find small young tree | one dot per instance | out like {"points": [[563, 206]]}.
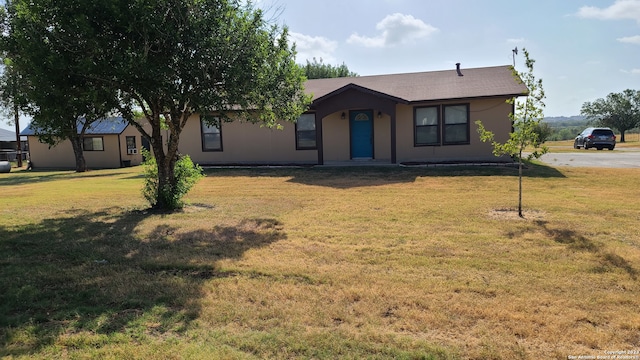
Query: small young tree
{"points": [[526, 125], [187, 175]]}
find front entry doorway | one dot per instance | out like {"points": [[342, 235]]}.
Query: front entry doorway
{"points": [[361, 126]]}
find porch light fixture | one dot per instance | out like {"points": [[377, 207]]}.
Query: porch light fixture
{"points": [[342, 116], [379, 114]]}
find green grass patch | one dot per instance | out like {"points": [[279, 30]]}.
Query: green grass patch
{"points": [[324, 263]]}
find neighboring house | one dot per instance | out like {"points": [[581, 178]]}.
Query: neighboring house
{"points": [[108, 143], [8, 145], [426, 117]]}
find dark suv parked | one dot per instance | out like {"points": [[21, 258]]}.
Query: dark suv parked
{"points": [[598, 138]]}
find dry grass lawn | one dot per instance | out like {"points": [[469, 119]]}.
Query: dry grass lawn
{"points": [[322, 263]]}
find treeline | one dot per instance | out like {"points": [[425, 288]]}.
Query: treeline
{"points": [[567, 127], [318, 69]]}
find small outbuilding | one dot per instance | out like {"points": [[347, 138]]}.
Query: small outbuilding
{"points": [[8, 146], [107, 143]]}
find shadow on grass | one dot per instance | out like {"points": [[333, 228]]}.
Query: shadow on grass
{"points": [[37, 176], [363, 176], [91, 273], [579, 242]]}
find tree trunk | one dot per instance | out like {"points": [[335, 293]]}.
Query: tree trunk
{"points": [[18, 142], [166, 164], [622, 136], [166, 182], [76, 144], [520, 186]]}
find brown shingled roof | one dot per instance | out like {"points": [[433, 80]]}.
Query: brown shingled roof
{"points": [[432, 85]]}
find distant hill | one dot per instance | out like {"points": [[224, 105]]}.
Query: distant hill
{"points": [[565, 127], [568, 119]]}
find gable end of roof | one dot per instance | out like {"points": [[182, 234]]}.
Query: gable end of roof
{"points": [[352, 86]]}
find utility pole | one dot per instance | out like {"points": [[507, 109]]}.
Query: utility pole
{"points": [[18, 142], [16, 120], [515, 52]]}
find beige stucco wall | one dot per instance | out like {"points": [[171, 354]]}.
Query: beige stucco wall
{"points": [[61, 156], [494, 114], [244, 143], [136, 159], [335, 133], [382, 138]]}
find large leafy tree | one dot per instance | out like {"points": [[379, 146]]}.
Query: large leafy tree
{"points": [[527, 132], [47, 83], [171, 59], [620, 111], [12, 100]]}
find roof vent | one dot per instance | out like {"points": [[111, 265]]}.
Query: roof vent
{"points": [[458, 69]]}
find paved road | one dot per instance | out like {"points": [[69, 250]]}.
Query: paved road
{"points": [[618, 158]]}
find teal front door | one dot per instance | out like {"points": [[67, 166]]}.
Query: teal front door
{"points": [[361, 125]]}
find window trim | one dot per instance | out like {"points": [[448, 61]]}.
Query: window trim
{"points": [[315, 133], [203, 133], [437, 125], [85, 138], [126, 139], [467, 141]]}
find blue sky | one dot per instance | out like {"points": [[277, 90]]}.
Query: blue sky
{"points": [[583, 49]]}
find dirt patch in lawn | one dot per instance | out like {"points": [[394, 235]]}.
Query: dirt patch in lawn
{"points": [[512, 214]]}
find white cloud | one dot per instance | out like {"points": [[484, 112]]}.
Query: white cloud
{"points": [[309, 47], [515, 41], [630, 39], [621, 9], [394, 30], [632, 71]]}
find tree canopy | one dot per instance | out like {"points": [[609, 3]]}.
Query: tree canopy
{"points": [[46, 82], [12, 100], [319, 70], [620, 111], [168, 59]]}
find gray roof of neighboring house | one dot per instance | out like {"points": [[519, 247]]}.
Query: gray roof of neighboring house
{"points": [[8, 135], [428, 86], [106, 126]]}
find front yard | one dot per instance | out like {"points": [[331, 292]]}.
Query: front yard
{"points": [[322, 263]]}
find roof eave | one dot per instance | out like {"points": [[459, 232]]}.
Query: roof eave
{"points": [[467, 98]]}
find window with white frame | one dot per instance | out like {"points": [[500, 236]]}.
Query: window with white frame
{"points": [[306, 132], [427, 126], [131, 143], [92, 143], [211, 135]]}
